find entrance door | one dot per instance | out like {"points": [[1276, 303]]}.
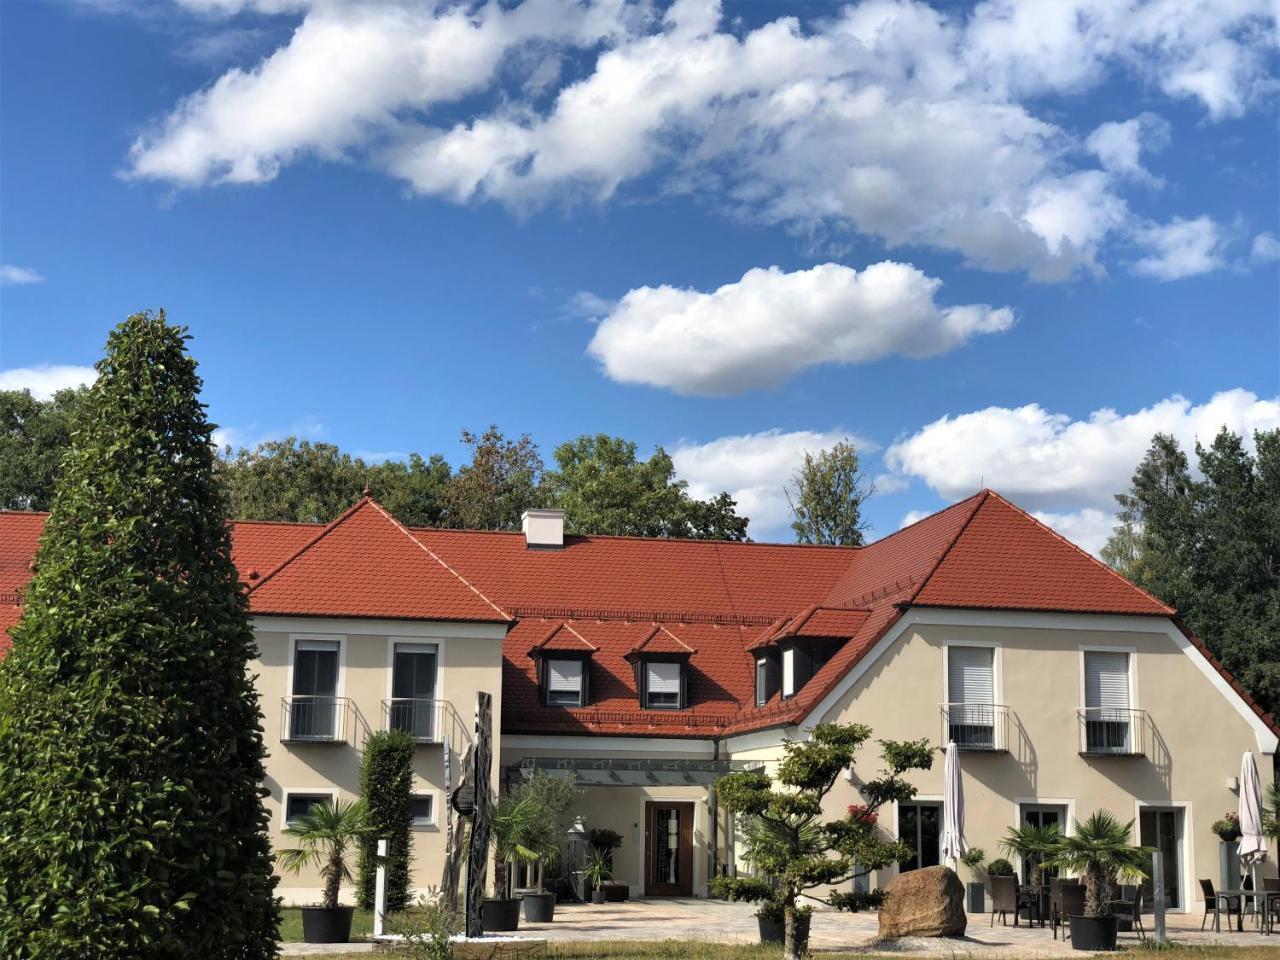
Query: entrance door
{"points": [[668, 849], [1161, 829], [920, 828], [1042, 815]]}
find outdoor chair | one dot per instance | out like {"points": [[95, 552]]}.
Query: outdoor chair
{"points": [[1270, 902], [1004, 898], [1213, 905], [1070, 903], [1131, 910]]}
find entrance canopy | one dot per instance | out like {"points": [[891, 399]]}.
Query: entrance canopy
{"points": [[639, 772]]}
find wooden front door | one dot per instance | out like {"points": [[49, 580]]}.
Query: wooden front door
{"points": [[668, 849]]}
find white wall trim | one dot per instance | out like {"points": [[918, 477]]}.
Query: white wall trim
{"points": [[763, 738], [405, 629], [1104, 622], [1186, 844], [529, 741], [286, 792]]}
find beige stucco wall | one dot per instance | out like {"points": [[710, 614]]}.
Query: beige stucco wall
{"points": [[470, 660], [1194, 740]]}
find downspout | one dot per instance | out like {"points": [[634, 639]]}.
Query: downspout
{"points": [[715, 817]]}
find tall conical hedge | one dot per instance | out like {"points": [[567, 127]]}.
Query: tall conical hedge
{"points": [[131, 752]]}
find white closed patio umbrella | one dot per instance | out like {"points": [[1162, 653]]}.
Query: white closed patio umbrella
{"points": [[1253, 843], [953, 846]]}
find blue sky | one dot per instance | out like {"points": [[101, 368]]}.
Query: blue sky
{"points": [[999, 244]]}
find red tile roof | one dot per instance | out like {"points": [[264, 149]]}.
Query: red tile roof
{"points": [[613, 596]]}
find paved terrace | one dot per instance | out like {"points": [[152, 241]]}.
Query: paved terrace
{"points": [[692, 919]]}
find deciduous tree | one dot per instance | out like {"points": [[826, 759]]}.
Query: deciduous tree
{"points": [[498, 485], [34, 436], [131, 752], [826, 496]]}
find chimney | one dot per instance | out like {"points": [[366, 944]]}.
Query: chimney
{"points": [[543, 529]]}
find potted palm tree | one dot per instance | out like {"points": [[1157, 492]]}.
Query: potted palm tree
{"points": [[513, 822], [1034, 844], [1099, 851], [596, 872], [327, 835]]}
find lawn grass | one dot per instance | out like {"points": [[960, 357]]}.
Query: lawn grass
{"points": [[687, 950]]}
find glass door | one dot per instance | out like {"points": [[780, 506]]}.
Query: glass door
{"points": [[920, 828], [669, 849], [1042, 815], [1161, 829], [314, 704], [413, 690]]}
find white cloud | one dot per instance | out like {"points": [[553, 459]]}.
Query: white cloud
{"points": [[889, 119], [1049, 461], [912, 516], [1181, 248], [1266, 249], [765, 328], [755, 468], [11, 275], [1088, 528], [44, 380], [1119, 146]]}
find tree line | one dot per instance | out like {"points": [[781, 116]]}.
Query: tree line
{"points": [[1208, 544], [602, 482]]}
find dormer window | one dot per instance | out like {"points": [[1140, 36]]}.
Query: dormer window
{"points": [[766, 678], [800, 661], [663, 685], [564, 681]]}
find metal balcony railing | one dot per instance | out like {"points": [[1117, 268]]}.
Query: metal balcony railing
{"points": [[1105, 731], [307, 719], [976, 726], [428, 721]]}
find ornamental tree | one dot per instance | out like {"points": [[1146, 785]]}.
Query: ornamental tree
{"points": [[386, 786], [795, 845], [131, 753]]}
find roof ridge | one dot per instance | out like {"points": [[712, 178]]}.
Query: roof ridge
{"points": [[320, 535], [832, 547], [1171, 611], [437, 558], [978, 499]]}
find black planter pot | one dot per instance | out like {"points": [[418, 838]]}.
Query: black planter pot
{"points": [[1093, 933], [499, 915], [615, 892], [977, 897], [322, 925], [597, 895], [539, 907], [771, 931]]}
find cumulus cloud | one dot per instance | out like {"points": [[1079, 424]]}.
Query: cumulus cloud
{"points": [[1050, 461], [44, 380], [765, 328], [1266, 249], [1119, 146], [888, 119], [1088, 528], [12, 275], [1181, 248], [755, 468]]}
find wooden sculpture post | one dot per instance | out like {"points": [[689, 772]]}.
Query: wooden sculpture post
{"points": [[482, 814]]}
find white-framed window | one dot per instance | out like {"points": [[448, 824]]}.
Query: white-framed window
{"points": [[414, 671], [1108, 702], [971, 696], [299, 803], [565, 682], [422, 809], [766, 678], [664, 684], [789, 672], [316, 671]]}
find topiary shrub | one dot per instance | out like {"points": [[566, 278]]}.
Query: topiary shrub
{"points": [[386, 785], [131, 754], [1000, 867]]}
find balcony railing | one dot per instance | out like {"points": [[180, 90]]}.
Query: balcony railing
{"points": [[1109, 732], [428, 721], [976, 726], [306, 719]]}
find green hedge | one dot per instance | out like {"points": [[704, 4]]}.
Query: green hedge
{"points": [[386, 786]]}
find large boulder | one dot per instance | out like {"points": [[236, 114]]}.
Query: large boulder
{"points": [[924, 903]]}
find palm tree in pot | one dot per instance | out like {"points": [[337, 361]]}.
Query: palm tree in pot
{"points": [[514, 822], [1033, 844], [327, 835], [596, 872], [1099, 851]]}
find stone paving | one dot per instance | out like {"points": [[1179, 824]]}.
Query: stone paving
{"points": [[693, 919]]}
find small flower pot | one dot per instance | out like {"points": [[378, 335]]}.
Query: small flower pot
{"points": [[771, 931], [1093, 933], [597, 895], [539, 907], [499, 915], [325, 925]]}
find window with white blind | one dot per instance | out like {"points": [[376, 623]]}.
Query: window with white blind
{"points": [[664, 684], [565, 687], [971, 696], [1107, 701], [789, 672]]}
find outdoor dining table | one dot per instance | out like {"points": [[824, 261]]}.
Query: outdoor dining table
{"points": [[1260, 899]]}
